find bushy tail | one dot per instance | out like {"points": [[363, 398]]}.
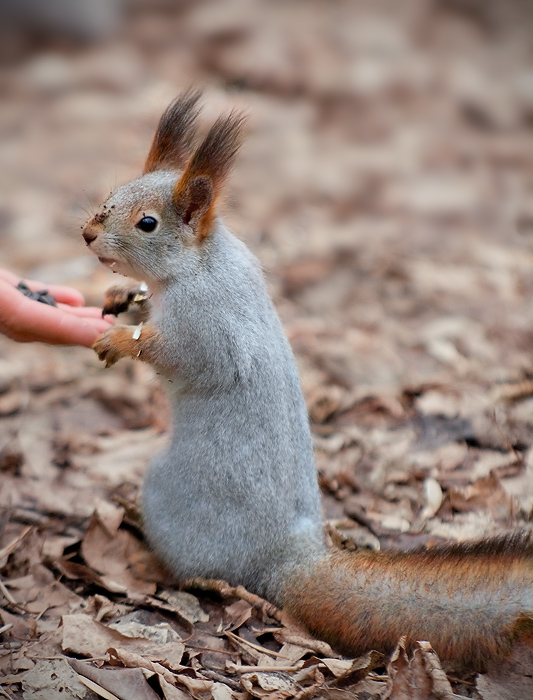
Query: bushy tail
{"points": [[470, 601]]}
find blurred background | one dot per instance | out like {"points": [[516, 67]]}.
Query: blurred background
{"points": [[386, 185]]}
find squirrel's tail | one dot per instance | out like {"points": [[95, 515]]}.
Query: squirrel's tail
{"points": [[470, 601]]}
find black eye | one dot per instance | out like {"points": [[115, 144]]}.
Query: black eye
{"points": [[147, 224]]}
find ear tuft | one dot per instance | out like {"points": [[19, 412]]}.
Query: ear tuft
{"points": [[173, 138], [205, 173], [216, 154]]}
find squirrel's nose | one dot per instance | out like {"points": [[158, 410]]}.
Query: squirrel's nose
{"points": [[89, 235]]}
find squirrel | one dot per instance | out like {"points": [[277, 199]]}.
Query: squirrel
{"points": [[234, 495]]}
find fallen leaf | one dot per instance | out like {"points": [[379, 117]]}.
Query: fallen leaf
{"points": [[432, 498], [124, 683], [261, 684], [133, 660], [84, 636], [486, 493], [401, 677], [186, 604], [54, 679], [110, 552]]}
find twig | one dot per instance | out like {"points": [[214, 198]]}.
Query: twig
{"points": [[27, 516], [227, 591], [58, 657], [215, 651], [513, 392], [453, 679], [219, 678], [10, 548], [7, 595], [234, 668], [255, 646], [97, 688]]}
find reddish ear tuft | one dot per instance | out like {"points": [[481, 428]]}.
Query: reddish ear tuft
{"points": [[201, 183], [172, 142]]}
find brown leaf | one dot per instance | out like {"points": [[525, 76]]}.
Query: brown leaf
{"points": [[401, 681], [170, 692], [74, 570], [131, 659], [299, 637], [84, 636], [262, 684], [418, 677], [486, 493], [237, 614], [110, 551], [509, 679], [186, 604], [12, 546], [54, 679], [125, 683], [440, 685]]}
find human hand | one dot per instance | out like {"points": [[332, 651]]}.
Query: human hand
{"points": [[26, 320]]}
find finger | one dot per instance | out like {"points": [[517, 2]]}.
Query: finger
{"points": [[9, 277], [65, 295], [26, 320], [85, 311], [101, 325]]}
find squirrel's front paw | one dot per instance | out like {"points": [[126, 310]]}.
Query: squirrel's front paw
{"points": [[107, 347], [119, 299]]}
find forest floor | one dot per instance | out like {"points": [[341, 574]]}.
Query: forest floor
{"points": [[386, 185]]}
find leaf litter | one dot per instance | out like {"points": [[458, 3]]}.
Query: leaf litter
{"points": [[385, 186]]}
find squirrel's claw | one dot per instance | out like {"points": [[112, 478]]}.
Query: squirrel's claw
{"points": [[105, 348]]}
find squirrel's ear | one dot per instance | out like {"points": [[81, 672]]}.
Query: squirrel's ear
{"points": [[201, 183], [172, 142]]}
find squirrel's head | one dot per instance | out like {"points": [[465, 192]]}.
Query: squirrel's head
{"points": [[147, 223]]}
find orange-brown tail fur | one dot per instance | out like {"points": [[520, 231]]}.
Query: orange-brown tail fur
{"points": [[470, 601]]}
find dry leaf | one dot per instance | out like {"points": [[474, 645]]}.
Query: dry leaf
{"points": [[54, 679], [186, 604], [133, 660], [261, 684], [485, 494], [124, 683], [96, 688], [432, 498], [401, 682], [219, 691], [84, 636], [170, 692], [110, 553]]}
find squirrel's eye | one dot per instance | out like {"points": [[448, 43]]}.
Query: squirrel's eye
{"points": [[147, 224]]}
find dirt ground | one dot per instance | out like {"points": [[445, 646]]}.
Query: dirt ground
{"points": [[386, 185]]}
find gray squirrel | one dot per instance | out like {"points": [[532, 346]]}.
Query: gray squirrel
{"points": [[234, 495]]}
